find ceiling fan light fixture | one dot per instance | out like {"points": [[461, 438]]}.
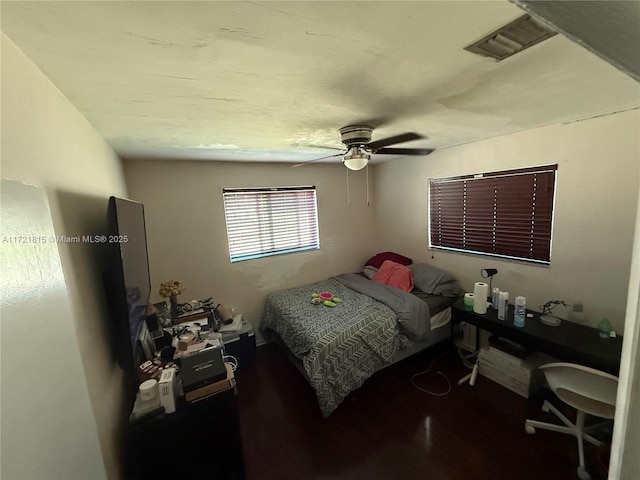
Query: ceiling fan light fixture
{"points": [[357, 159], [359, 147]]}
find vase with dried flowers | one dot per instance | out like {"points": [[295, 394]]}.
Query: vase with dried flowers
{"points": [[171, 289]]}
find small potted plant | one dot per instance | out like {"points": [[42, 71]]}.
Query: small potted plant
{"points": [[171, 289]]}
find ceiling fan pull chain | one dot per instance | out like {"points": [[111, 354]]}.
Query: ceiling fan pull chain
{"points": [[348, 198], [367, 172]]}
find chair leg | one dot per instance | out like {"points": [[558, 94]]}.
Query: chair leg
{"points": [[576, 430], [583, 474], [586, 433], [531, 425], [592, 440], [582, 471], [559, 414], [597, 426], [579, 427]]}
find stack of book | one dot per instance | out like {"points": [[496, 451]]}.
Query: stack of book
{"points": [[212, 388], [519, 375]]}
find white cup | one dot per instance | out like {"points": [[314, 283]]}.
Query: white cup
{"points": [[148, 390]]}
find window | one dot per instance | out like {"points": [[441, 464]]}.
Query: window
{"points": [[505, 214], [270, 221]]}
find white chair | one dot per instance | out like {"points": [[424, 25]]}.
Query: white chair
{"points": [[587, 390]]}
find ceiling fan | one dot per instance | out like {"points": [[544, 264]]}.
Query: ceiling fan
{"points": [[359, 147]]}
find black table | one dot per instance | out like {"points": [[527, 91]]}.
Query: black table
{"points": [[201, 440], [568, 341]]}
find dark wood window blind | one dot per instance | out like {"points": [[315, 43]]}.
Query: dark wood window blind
{"points": [[505, 214], [270, 221]]}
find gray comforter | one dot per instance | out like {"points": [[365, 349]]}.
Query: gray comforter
{"points": [[341, 347], [413, 314]]}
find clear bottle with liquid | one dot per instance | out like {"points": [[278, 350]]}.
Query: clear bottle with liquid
{"points": [[503, 305], [520, 311], [495, 296]]}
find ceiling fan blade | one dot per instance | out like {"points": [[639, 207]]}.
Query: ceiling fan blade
{"points": [[405, 137], [405, 151], [310, 145], [341, 154]]}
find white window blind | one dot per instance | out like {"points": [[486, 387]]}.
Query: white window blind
{"points": [[270, 221]]}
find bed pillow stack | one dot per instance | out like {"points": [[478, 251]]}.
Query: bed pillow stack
{"points": [[432, 280], [377, 260], [369, 271], [401, 272], [372, 265], [395, 275]]}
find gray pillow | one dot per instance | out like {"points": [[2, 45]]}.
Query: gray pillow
{"points": [[427, 277], [369, 271], [451, 289]]}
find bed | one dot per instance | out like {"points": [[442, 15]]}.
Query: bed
{"points": [[375, 325]]}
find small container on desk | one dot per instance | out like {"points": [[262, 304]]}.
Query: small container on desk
{"points": [[201, 314]]}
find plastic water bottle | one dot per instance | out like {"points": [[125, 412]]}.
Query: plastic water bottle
{"points": [[495, 295], [503, 305], [520, 311]]}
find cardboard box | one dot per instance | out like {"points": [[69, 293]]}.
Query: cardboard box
{"points": [[212, 388], [168, 389], [520, 375], [524, 389]]}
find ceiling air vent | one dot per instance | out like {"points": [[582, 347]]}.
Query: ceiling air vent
{"points": [[512, 38]]}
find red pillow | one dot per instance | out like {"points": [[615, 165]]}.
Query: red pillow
{"points": [[377, 260], [395, 275]]}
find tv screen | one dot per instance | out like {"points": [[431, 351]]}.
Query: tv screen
{"points": [[128, 278]]}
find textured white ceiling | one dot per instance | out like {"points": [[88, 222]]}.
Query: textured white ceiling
{"points": [[262, 80]]}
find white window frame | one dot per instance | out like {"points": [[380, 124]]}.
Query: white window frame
{"points": [[262, 222]]}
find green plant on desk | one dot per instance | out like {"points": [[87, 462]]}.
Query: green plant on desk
{"points": [[605, 328]]}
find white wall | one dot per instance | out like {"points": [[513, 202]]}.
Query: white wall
{"points": [[47, 142], [48, 429], [626, 434], [596, 198], [187, 238]]}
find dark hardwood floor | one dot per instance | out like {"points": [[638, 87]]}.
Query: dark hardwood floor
{"points": [[388, 429]]}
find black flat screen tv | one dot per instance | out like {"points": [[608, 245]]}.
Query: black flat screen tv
{"points": [[127, 279]]}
